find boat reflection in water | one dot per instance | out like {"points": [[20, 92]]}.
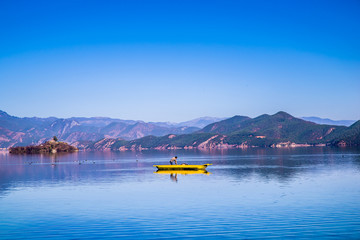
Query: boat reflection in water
{"points": [[174, 173]]}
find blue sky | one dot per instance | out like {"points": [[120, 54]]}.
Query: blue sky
{"points": [[178, 60]]}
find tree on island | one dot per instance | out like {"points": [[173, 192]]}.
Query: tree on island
{"points": [[55, 138]]}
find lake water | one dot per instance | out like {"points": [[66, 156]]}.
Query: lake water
{"points": [[298, 193]]}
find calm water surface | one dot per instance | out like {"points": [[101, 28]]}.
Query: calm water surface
{"points": [[250, 194]]}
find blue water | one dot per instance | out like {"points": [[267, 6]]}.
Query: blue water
{"points": [[304, 193]]}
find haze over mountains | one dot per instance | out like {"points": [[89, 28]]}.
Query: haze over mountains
{"points": [[280, 129], [329, 121]]}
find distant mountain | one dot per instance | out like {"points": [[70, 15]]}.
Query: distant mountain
{"points": [[101, 121], [114, 129], [22, 124], [15, 131], [141, 129], [277, 130], [197, 122], [329, 121], [200, 122]]}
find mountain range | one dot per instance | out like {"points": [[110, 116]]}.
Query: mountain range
{"points": [[15, 131], [329, 121], [277, 130]]}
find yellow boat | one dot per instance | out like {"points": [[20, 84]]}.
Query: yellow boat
{"points": [[182, 167], [182, 172]]}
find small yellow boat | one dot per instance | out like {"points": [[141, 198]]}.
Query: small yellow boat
{"points": [[182, 167]]}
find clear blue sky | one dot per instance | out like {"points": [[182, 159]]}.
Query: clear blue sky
{"points": [[178, 60]]}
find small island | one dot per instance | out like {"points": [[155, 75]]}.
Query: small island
{"points": [[52, 146]]}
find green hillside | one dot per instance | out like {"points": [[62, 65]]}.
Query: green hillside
{"points": [[238, 131], [349, 137], [226, 126], [278, 127]]}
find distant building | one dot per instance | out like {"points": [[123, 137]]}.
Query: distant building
{"points": [[260, 136]]}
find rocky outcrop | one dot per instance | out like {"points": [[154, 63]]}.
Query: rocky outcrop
{"points": [[48, 147], [208, 143], [104, 144]]}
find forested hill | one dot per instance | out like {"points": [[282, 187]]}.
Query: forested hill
{"points": [[349, 137], [280, 126], [277, 130]]}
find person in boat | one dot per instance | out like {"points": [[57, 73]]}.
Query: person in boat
{"points": [[174, 159]]}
